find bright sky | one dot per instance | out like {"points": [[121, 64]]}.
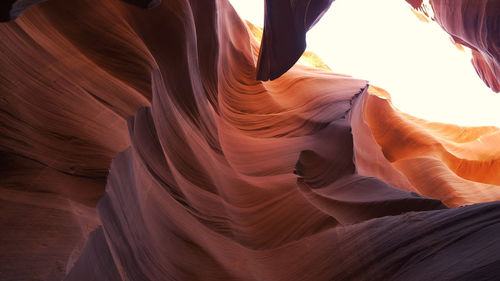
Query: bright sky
{"points": [[384, 42]]}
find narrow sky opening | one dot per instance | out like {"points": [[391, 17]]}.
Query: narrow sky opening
{"points": [[385, 43]]}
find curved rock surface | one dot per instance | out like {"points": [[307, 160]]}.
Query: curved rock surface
{"points": [[475, 24], [280, 50], [310, 176], [457, 165]]}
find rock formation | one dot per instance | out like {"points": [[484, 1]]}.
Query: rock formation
{"points": [[475, 24], [137, 144]]}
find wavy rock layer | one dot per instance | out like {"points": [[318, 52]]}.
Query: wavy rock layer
{"points": [[311, 176], [475, 24], [71, 73], [458, 165]]}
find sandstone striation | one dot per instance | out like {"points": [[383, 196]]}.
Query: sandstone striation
{"points": [[137, 144]]}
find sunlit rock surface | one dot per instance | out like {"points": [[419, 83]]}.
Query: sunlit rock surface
{"points": [[216, 175], [458, 165]]}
